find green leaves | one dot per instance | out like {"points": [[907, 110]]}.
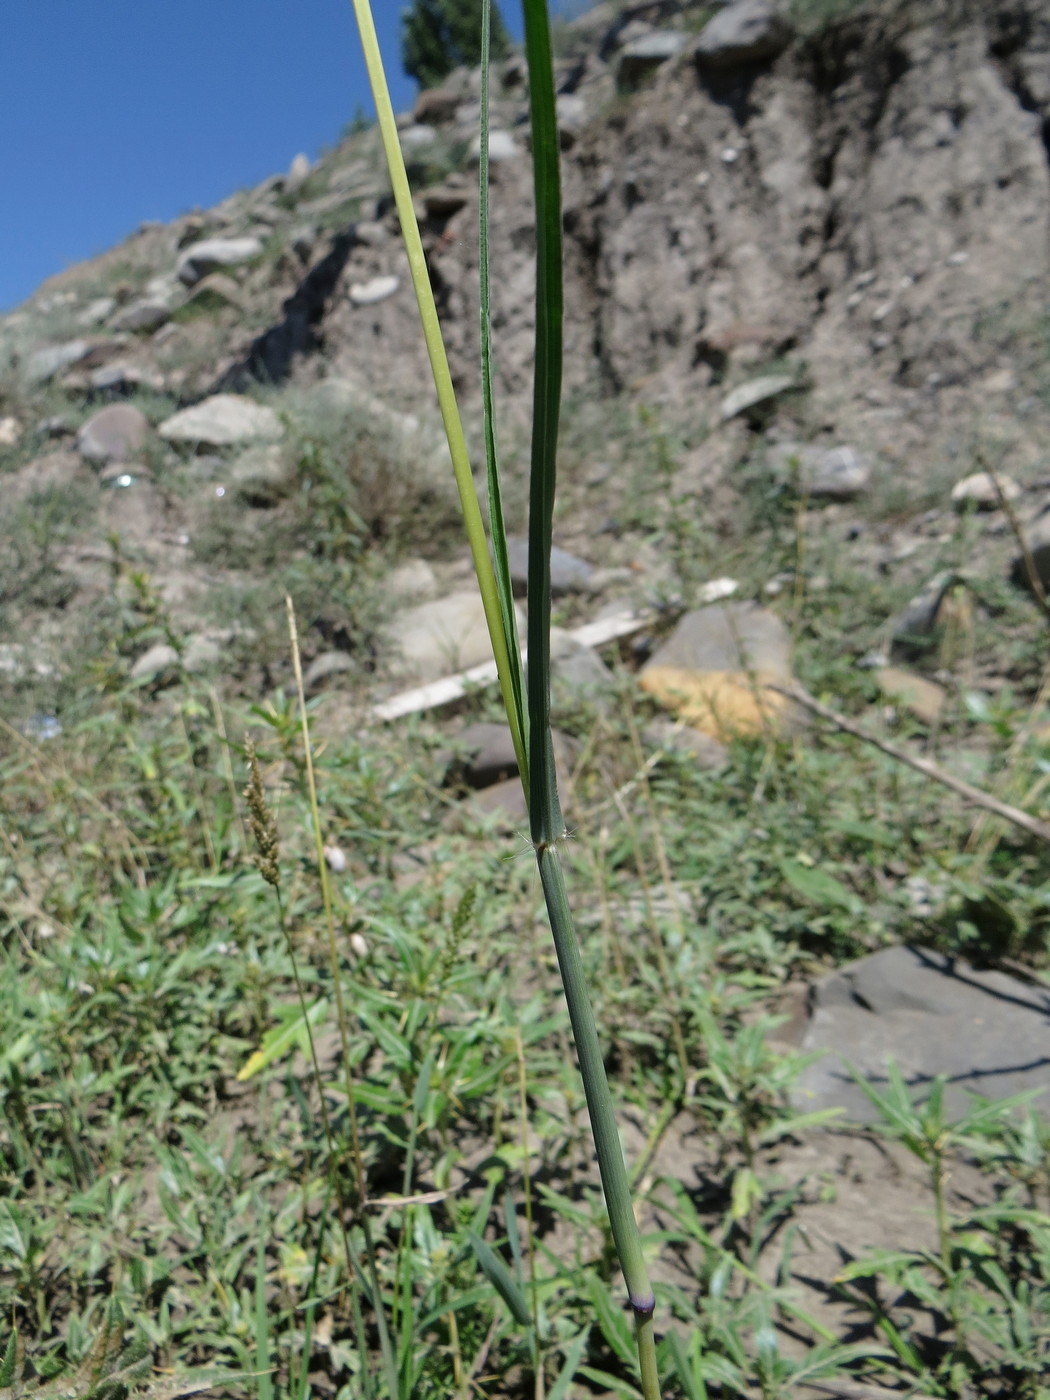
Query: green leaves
{"points": [[292, 1032]]}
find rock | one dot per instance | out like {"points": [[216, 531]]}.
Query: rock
{"points": [[298, 172], [215, 292], [436, 105], [488, 755], [578, 674], [571, 111], [414, 581], [922, 698], [1037, 538], [502, 803], [713, 668], [443, 201], [160, 660], [416, 138], [920, 618], [706, 752], [303, 241], [117, 476], [375, 290], [755, 393], [640, 58], [985, 1031], [502, 147], [96, 311], [829, 474], [123, 379], [568, 574], [435, 639], [325, 666], [263, 475], [114, 434], [213, 254], [749, 31], [45, 363], [145, 315], [224, 420], [978, 490], [10, 431]]}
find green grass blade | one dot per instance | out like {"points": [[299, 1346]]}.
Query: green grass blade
{"points": [[501, 1278], [446, 393], [497, 525], [544, 806], [262, 1326]]}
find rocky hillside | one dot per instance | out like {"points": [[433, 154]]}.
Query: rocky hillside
{"points": [[806, 246]]}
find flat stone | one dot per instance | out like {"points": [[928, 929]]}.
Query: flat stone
{"points": [[224, 420], [216, 292], [488, 754], [714, 668], [578, 674], [114, 434], [568, 574], [824, 473], [375, 290], [931, 1014], [436, 105], [158, 660], [325, 666], [213, 254], [748, 31], [922, 698], [438, 638], [978, 491], [640, 57], [141, 316], [755, 393], [45, 363]]}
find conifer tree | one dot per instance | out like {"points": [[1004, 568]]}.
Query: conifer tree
{"points": [[439, 35]]}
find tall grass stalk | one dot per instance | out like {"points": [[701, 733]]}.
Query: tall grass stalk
{"points": [[536, 754]]}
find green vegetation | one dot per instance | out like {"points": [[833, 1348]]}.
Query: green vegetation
{"points": [[439, 35]]}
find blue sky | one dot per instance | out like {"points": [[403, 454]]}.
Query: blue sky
{"points": [[115, 111]]}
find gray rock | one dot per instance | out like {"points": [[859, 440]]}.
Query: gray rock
{"points": [[297, 172], [917, 620], [502, 147], [488, 755], [922, 698], [830, 474], [213, 254], [755, 393], [578, 674], [325, 666], [435, 639], [1037, 538], [376, 289], [749, 31], [978, 491], [142, 317], [727, 637], [50, 360], [215, 292], [96, 311], [158, 661], [641, 57], [568, 574], [986, 1031], [114, 434], [10, 431], [436, 105], [418, 137], [205, 651], [705, 751], [414, 581], [224, 420], [263, 475], [443, 201]]}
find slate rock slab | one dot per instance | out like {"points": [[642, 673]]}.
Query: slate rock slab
{"points": [[931, 1014]]}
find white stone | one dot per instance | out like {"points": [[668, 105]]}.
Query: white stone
{"points": [[375, 290], [753, 392], [212, 254], [224, 420], [979, 490], [502, 146], [10, 431]]}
